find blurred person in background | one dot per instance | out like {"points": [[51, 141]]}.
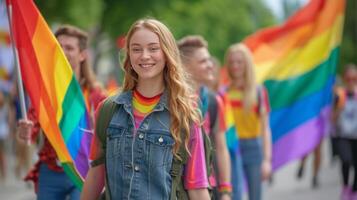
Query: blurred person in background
{"points": [[344, 120], [214, 83], [4, 133], [316, 165], [197, 62], [51, 182], [251, 109]]}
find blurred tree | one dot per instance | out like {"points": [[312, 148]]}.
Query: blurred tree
{"points": [[349, 41], [82, 13], [221, 22]]}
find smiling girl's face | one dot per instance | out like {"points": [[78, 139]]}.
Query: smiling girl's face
{"points": [[146, 55]]}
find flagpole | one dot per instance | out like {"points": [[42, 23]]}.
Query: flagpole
{"points": [[18, 69], [17, 64]]}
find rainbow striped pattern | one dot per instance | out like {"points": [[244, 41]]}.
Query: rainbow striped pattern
{"points": [[227, 123], [143, 106], [53, 89], [297, 63]]}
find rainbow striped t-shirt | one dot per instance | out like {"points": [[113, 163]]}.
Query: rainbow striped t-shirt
{"points": [[142, 106]]}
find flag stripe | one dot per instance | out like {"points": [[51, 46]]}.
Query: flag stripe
{"points": [[295, 88], [302, 60], [309, 134], [285, 119], [74, 109], [278, 44]]}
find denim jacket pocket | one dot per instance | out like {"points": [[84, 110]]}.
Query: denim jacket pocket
{"points": [[114, 140], [159, 148]]}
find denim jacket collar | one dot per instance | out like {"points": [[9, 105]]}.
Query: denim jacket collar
{"points": [[125, 98]]}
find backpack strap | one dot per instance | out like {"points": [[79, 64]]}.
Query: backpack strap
{"points": [[212, 109], [177, 188], [104, 117]]}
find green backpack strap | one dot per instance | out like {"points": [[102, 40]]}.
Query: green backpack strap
{"points": [[104, 117], [178, 191], [209, 152]]}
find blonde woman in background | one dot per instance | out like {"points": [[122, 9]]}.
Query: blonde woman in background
{"points": [[251, 115]]}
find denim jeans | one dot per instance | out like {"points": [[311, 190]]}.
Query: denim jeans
{"points": [[237, 175], [251, 151], [55, 185]]}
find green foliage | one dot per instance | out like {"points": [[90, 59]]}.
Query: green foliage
{"points": [[82, 13], [221, 23], [349, 41]]}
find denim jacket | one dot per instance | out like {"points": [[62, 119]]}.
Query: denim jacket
{"points": [[138, 161]]}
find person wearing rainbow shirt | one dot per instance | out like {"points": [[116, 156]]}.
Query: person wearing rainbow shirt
{"points": [[250, 107], [197, 61], [154, 119]]}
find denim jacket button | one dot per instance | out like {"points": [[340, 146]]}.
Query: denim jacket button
{"points": [[161, 140], [141, 136], [136, 168]]}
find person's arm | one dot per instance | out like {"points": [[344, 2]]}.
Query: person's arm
{"points": [[336, 110], [267, 147], [195, 176], [198, 194], [223, 162], [94, 183], [222, 154], [266, 135]]}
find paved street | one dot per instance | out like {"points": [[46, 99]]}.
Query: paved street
{"points": [[285, 186]]}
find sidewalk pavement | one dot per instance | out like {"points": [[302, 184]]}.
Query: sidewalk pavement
{"points": [[286, 187]]}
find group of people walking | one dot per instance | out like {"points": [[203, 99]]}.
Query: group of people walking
{"points": [[163, 135]]}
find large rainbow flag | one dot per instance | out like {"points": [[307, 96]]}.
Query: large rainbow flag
{"points": [[297, 63], [53, 89]]}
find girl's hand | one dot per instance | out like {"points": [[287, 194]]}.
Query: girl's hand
{"points": [[266, 169]]}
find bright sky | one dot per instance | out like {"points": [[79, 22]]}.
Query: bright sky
{"points": [[276, 6]]}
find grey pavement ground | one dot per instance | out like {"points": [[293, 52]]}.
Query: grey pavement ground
{"points": [[284, 187], [14, 188]]}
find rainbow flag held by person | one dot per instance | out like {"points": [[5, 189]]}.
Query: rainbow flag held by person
{"points": [[297, 63], [227, 121], [53, 89]]}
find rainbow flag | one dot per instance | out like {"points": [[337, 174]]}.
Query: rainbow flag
{"points": [[227, 123], [53, 89], [297, 63]]}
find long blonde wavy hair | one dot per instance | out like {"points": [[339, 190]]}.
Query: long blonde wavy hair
{"points": [[250, 86], [180, 94]]}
